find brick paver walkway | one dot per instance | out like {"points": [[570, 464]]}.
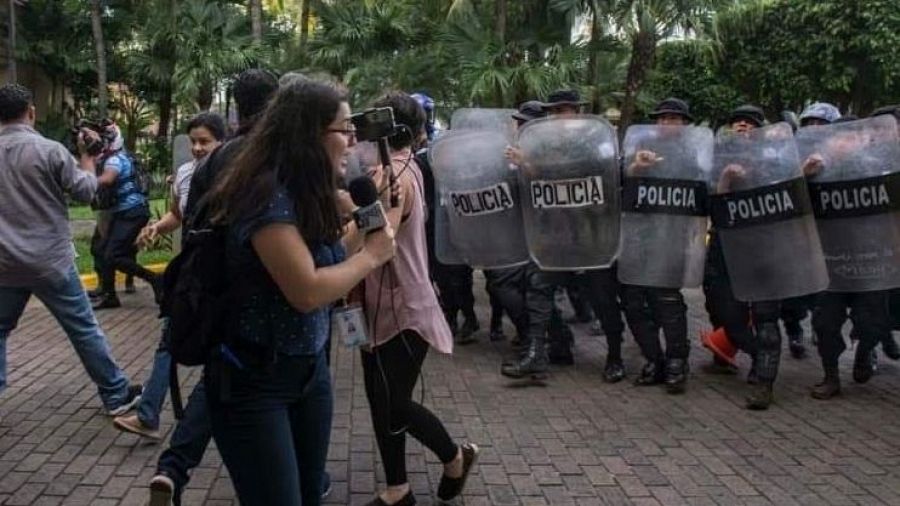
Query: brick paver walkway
{"points": [[575, 441]]}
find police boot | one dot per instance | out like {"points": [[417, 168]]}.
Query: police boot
{"points": [[653, 373], [795, 345], [533, 363], [829, 387], [864, 364], [614, 371], [676, 375], [889, 347], [761, 397]]}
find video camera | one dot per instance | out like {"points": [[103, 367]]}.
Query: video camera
{"points": [[93, 146]]}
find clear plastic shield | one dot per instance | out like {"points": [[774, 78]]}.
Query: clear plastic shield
{"points": [[444, 249], [481, 198], [181, 151], [495, 120], [569, 182], [855, 190], [762, 212], [664, 207]]}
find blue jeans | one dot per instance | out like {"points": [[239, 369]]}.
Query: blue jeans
{"points": [[189, 441], [69, 304], [157, 385], [279, 415]]}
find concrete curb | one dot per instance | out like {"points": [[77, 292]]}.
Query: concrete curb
{"points": [[89, 281]]}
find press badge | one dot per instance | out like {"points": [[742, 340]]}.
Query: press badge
{"points": [[349, 325]]}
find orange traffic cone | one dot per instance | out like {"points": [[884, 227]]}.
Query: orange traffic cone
{"points": [[717, 342]]}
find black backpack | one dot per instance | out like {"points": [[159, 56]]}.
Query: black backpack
{"points": [[197, 296]]}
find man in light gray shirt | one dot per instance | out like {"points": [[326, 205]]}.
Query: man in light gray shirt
{"points": [[36, 252]]}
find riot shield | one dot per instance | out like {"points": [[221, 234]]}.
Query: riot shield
{"points": [[763, 214], [664, 205], [856, 200], [444, 249], [181, 151], [482, 198], [495, 120], [569, 180]]}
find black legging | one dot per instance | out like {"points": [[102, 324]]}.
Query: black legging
{"points": [[391, 371]]}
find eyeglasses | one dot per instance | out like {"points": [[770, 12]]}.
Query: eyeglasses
{"points": [[349, 133]]}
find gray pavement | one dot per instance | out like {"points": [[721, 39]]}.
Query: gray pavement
{"points": [[576, 441]]}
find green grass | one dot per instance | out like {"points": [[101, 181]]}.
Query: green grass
{"points": [[85, 262], [157, 208]]}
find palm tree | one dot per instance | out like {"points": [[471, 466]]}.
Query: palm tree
{"points": [[100, 46], [646, 23], [255, 8]]}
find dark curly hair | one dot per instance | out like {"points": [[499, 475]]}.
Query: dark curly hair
{"points": [[407, 111], [14, 101]]}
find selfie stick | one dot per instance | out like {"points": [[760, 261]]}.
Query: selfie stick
{"points": [[388, 168]]}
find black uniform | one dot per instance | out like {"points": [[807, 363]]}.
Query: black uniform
{"points": [[869, 312], [751, 327]]}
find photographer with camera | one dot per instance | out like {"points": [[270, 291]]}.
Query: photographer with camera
{"points": [[119, 193], [404, 318], [36, 253]]}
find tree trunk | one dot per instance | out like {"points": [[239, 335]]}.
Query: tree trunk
{"points": [[256, 20], [165, 114], [500, 13], [205, 95], [12, 73], [100, 46], [305, 9], [643, 51], [594, 64]]}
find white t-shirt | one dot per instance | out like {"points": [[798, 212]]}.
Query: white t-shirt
{"points": [[183, 184]]}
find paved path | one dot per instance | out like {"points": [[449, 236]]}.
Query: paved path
{"points": [[574, 442]]}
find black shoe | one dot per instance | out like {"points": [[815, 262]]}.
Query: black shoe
{"points": [[596, 329], [408, 500], [796, 347], [828, 388], [652, 373], [533, 363], [760, 398], [863, 365], [676, 375], [614, 371], [95, 294], [107, 302], [162, 490], [890, 348], [450, 488]]}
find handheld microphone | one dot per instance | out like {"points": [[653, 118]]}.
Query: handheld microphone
{"points": [[370, 215]]}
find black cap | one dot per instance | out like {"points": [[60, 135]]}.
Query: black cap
{"points": [[563, 97], [532, 109], [888, 109], [748, 112], [672, 106]]}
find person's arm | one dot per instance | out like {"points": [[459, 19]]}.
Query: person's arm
{"points": [[77, 180], [166, 225], [813, 165], [287, 258], [109, 175], [731, 172]]}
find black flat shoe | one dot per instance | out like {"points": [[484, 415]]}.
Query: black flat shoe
{"points": [[614, 371], [452, 487], [408, 500]]}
